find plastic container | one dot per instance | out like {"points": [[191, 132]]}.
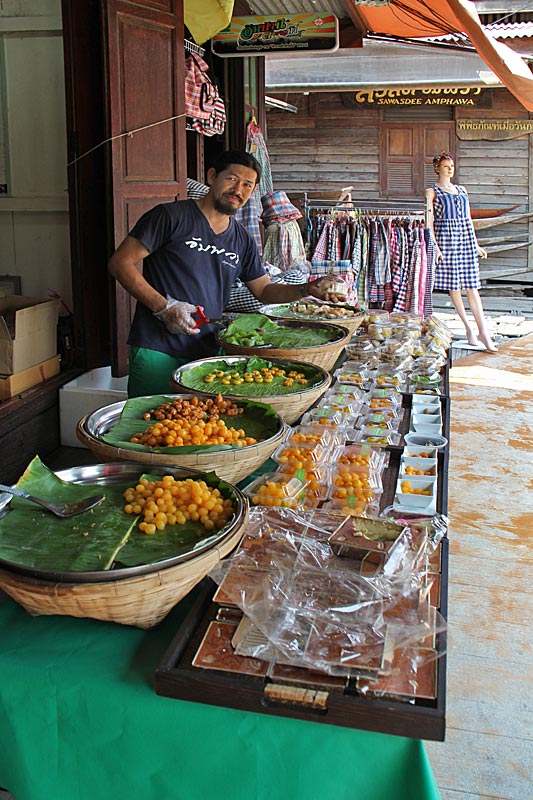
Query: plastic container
{"points": [[346, 391], [390, 378], [360, 349], [275, 489], [352, 409], [364, 455], [387, 419], [315, 478], [387, 393], [377, 436], [352, 373], [301, 456], [327, 417], [378, 331], [309, 434]]}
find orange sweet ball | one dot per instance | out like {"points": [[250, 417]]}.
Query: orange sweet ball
{"points": [[172, 502]]}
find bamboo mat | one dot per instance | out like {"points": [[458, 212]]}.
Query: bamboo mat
{"points": [[488, 752]]}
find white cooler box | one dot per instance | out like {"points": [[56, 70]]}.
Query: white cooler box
{"points": [[84, 395]]}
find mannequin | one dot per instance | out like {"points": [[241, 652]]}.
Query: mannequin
{"points": [[457, 251]]}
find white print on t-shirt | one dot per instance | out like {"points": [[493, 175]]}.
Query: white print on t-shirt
{"points": [[196, 243]]}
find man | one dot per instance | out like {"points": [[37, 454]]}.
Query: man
{"points": [[192, 253]]}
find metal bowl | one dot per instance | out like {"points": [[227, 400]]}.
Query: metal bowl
{"points": [[113, 473]]}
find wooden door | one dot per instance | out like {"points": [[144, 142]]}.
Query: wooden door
{"points": [[407, 150], [145, 70]]}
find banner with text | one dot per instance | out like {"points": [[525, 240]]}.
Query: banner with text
{"points": [[442, 96], [247, 36], [495, 130]]}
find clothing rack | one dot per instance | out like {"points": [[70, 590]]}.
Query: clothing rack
{"points": [[191, 47], [374, 207]]}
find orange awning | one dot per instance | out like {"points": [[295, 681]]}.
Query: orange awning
{"points": [[416, 18]]}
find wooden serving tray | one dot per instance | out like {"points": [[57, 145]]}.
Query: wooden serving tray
{"points": [[268, 694], [265, 688]]}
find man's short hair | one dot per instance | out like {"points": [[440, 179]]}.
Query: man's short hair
{"points": [[228, 157]]}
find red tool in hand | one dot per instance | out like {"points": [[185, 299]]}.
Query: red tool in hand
{"points": [[202, 319]]}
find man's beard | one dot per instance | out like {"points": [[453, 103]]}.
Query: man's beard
{"points": [[225, 208]]}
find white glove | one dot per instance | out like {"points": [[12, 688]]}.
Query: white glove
{"points": [[177, 316]]}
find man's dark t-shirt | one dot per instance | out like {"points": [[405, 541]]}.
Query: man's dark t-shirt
{"points": [[189, 262]]}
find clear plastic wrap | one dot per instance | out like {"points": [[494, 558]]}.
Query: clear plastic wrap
{"points": [[314, 609], [384, 397]]}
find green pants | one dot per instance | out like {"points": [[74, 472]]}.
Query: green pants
{"points": [[150, 372]]}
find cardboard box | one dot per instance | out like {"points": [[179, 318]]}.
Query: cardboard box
{"points": [[11, 385], [83, 395], [28, 332]]}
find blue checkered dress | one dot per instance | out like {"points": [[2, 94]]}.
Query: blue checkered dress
{"points": [[455, 236]]}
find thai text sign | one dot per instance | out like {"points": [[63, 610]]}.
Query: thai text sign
{"points": [[442, 96], [493, 129], [259, 35]]}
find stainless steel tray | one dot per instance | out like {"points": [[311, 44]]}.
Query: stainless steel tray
{"points": [[101, 421], [277, 311], [176, 376], [113, 473]]}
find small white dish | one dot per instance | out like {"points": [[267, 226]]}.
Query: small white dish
{"points": [[423, 465], [425, 440], [429, 509], [426, 428], [413, 451]]}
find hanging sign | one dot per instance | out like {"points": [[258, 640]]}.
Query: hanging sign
{"points": [[495, 130], [442, 96], [246, 36]]}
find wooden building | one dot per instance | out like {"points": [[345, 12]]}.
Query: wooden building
{"points": [[385, 153]]}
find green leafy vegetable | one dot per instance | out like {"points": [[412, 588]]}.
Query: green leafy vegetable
{"points": [[257, 330]]}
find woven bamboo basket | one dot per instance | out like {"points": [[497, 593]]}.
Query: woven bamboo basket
{"points": [[323, 355], [350, 323], [141, 600], [289, 406], [230, 465]]}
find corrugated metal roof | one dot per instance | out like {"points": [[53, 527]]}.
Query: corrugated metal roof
{"points": [[375, 65], [269, 8], [513, 30]]}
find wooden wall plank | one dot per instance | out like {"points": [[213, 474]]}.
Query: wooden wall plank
{"points": [[328, 145]]}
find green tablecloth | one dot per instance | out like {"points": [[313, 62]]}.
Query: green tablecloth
{"points": [[79, 720]]}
